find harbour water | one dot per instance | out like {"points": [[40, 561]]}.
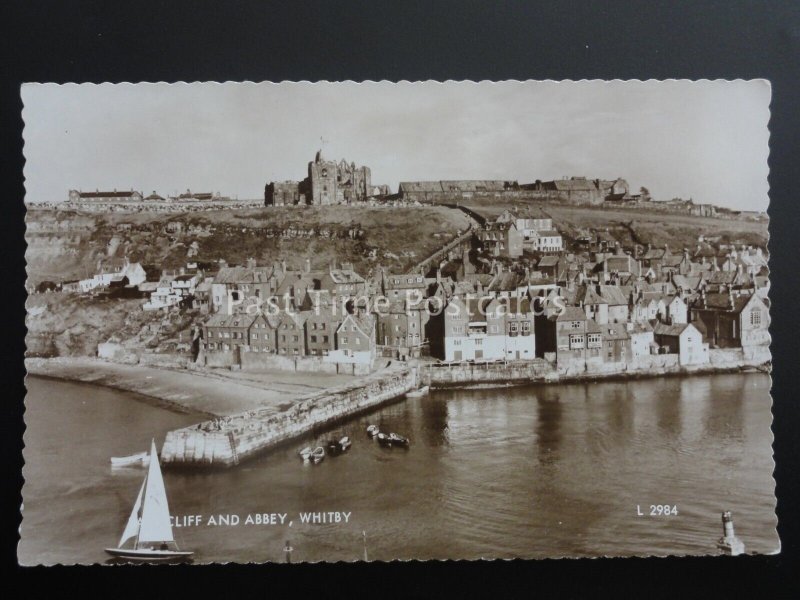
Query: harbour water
{"points": [[532, 472]]}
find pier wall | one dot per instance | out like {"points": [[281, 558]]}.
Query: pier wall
{"points": [[226, 442]]}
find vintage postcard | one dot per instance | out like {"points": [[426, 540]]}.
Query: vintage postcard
{"points": [[296, 322]]}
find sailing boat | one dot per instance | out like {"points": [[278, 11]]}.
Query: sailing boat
{"points": [[149, 525]]}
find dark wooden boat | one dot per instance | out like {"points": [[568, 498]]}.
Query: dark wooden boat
{"points": [[399, 440], [337, 447], [392, 440]]}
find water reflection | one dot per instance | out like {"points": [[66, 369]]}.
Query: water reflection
{"points": [[548, 426]]}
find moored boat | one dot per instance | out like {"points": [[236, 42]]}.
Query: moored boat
{"points": [[140, 459], [372, 431], [305, 453], [419, 392], [391, 440], [318, 455], [149, 523], [337, 447], [399, 440]]}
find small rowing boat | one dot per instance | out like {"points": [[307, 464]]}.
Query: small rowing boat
{"points": [[419, 393], [140, 459], [305, 453], [318, 455], [372, 431], [391, 440], [399, 440], [337, 447]]}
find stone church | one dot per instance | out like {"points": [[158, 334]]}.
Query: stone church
{"points": [[328, 182]]}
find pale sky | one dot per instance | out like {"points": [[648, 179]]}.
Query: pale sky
{"points": [[704, 140]]}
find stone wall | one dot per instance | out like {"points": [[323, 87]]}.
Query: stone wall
{"points": [[225, 443], [476, 373], [542, 370], [262, 361]]}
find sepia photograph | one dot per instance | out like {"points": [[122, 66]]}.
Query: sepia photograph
{"points": [[317, 322]]}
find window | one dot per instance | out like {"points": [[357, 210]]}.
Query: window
{"points": [[295, 338], [313, 339], [255, 336], [576, 341], [479, 341], [594, 340], [344, 339], [324, 339], [514, 326], [358, 341], [575, 325], [755, 317]]}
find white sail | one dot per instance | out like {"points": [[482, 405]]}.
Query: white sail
{"points": [[132, 528], [155, 525]]}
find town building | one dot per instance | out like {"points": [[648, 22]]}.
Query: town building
{"points": [[486, 329], [501, 239], [683, 339], [401, 328], [343, 281], [355, 341], [453, 190], [730, 320], [99, 196]]}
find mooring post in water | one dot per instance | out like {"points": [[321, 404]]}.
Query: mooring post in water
{"points": [[729, 543], [287, 550], [364, 535]]}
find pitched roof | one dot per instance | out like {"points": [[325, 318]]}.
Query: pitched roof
{"points": [[505, 281], [613, 294], [588, 295], [571, 313], [345, 276], [574, 184], [548, 261], [671, 330]]}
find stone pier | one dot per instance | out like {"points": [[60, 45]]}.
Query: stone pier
{"points": [[227, 441]]}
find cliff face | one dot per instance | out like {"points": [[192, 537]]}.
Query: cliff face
{"points": [[65, 245], [71, 325]]}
